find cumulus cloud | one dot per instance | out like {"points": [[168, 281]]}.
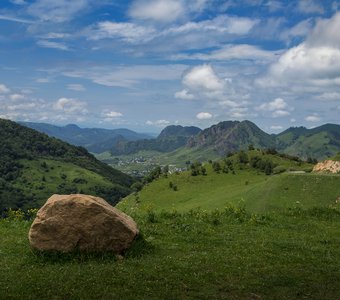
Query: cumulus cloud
{"points": [[329, 96], [278, 108], [204, 116], [280, 113], [71, 106], [204, 78], [113, 114], [157, 10], [314, 63], [184, 94], [16, 97], [313, 118], [4, 89], [158, 123], [276, 104]]}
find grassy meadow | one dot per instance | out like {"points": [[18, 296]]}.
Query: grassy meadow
{"points": [[226, 254], [235, 235]]}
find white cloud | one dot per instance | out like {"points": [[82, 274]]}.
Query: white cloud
{"points": [[184, 94], [15, 19], [277, 107], [128, 32], [276, 104], [190, 35], [19, 2], [313, 118], [314, 63], [223, 24], [276, 127], [43, 80], [301, 29], [204, 78], [310, 7], [158, 123], [4, 89], [329, 96], [280, 113], [157, 10], [57, 11], [128, 76], [53, 45], [16, 97], [113, 114], [231, 52], [71, 106], [204, 116], [76, 87]]}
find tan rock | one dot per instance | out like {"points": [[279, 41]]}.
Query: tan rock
{"points": [[331, 166], [81, 222]]}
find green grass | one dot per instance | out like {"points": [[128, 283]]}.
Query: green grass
{"points": [[258, 192], [221, 255]]}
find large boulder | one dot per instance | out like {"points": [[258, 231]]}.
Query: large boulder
{"points": [[81, 222]]}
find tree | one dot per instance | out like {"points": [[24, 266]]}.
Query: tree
{"points": [[243, 157], [216, 166]]}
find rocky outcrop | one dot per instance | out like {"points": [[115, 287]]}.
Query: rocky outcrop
{"points": [[331, 166], [81, 222]]}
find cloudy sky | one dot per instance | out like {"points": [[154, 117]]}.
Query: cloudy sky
{"points": [[145, 64]]}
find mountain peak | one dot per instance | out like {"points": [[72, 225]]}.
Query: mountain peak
{"points": [[178, 130]]}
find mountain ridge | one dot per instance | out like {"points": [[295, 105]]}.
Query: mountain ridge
{"points": [[227, 136]]}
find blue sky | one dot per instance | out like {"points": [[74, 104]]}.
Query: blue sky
{"points": [[147, 64]]}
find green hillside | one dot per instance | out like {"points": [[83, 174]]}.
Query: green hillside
{"points": [[259, 192], [33, 166], [321, 142]]}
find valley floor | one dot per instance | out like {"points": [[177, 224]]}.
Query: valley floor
{"points": [[226, 254]]}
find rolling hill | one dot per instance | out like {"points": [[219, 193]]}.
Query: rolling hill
{"points": [[235, 183], [33, 166]]}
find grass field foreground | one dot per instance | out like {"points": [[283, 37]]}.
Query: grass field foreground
{"points": [[226, 254]]}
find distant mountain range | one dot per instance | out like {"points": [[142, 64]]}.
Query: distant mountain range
{"points": [[228, 136], [96, 140]]}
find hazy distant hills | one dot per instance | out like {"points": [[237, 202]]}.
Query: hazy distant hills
{"points": [[33, 166], [171, 138], [228, 136], [96, 140]]}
